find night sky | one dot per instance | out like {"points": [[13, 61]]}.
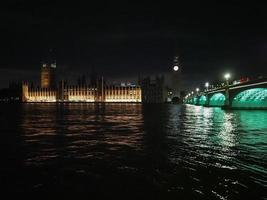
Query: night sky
{"points": [[122, 40]]}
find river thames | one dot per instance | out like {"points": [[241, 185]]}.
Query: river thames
{"points": [[161, 151]]}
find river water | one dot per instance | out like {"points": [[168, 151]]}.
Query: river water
{"points": [[133, 151]]}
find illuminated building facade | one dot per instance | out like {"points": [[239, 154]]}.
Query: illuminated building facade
{"points": [[82, 94], [98, 92]]}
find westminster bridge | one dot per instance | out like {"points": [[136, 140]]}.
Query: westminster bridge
{"points": [[247, 95]]}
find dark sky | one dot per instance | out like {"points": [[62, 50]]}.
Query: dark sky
{"points": [[121, 40]]}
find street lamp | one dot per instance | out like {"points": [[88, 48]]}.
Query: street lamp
{"points": [[197, 89], [227, 76], [227, 101], [207, 85]]}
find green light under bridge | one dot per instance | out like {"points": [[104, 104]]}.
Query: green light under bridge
{"points": [[217, 99], [202, 100], [195, 100], [252, 98]]}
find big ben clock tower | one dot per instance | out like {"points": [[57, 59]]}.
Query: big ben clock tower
{"points": [[176, 77]]}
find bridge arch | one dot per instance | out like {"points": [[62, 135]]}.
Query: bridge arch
{"points": [[251, 98], [195, 100], [217, 99], [202, 100], [190, 101]]}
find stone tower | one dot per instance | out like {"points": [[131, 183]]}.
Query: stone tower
{"points": [[176, 77], [48, 76]]}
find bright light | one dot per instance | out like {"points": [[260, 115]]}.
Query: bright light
{"points": [[176, 68], [197, 89], [207, 84], [227, 76], [192, 92]]}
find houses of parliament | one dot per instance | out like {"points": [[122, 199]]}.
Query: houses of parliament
{"points": [[50, 91]]}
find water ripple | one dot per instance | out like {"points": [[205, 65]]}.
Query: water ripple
{"points": [[185, 151]]}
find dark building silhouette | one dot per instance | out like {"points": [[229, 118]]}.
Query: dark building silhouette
{"points": [[153, 90], [93, 78], [12, 93], [176, 78], [81, 81]]}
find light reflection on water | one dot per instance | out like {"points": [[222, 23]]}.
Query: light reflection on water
{"points": [[177, 151], [80, 128]]}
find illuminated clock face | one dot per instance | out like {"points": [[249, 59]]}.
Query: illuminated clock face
{"points": [[175, 68]]}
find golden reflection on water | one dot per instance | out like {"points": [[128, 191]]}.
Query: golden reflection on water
{"points": [[74, 129]]}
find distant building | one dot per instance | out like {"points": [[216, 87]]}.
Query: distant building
{"points": [[12, 93], [93, 77], [87, 93], [99, 91], [81, 81], [48, 76], [154, 90], [176, 78]]}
